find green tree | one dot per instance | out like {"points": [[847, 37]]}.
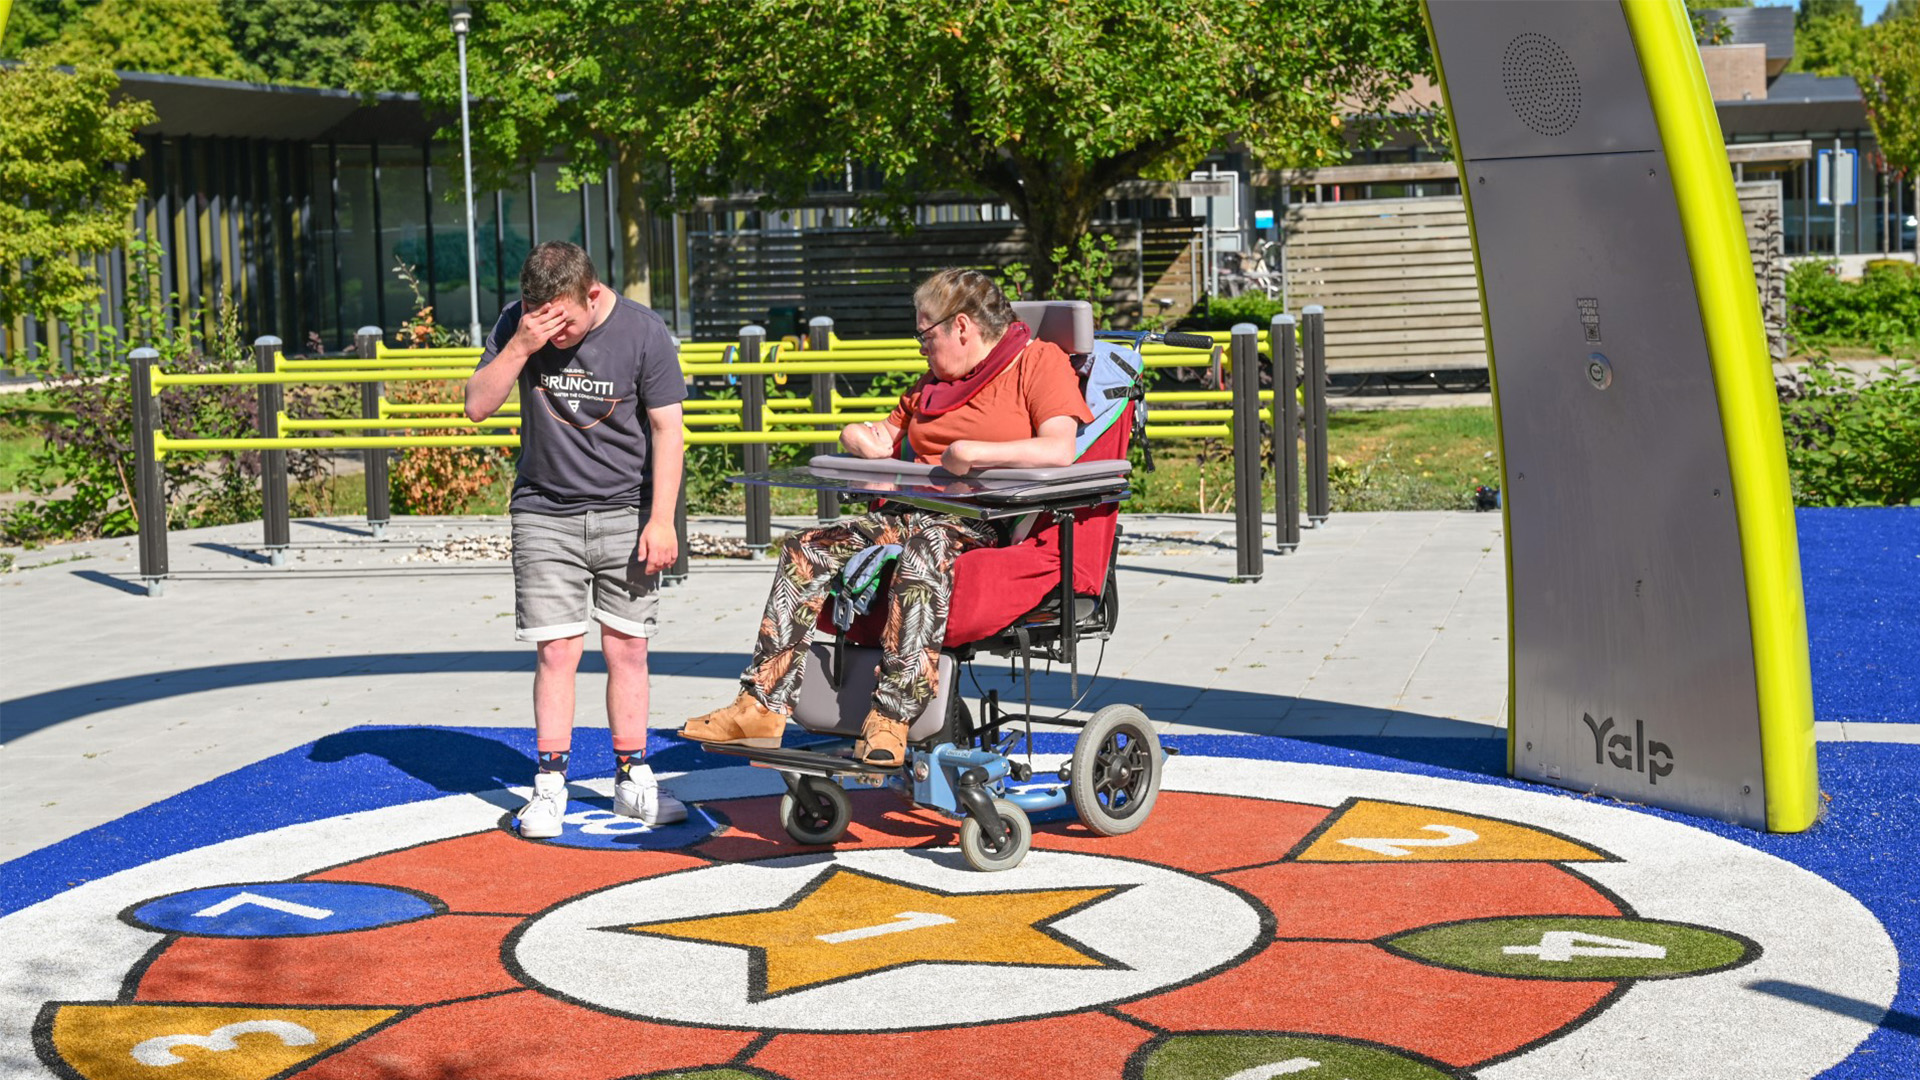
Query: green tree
{"points": [[293, 42], [33, 23], [300, 42], [174, 37], [1828, 38], [1815, 10], [1708, 27], [60, 193], [1892, 93], [1043, 105]]}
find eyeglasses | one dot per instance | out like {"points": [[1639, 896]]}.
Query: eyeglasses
{"points": [[921, 335]]}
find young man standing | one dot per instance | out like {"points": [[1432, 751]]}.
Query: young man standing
{"points": [[601, 451]]}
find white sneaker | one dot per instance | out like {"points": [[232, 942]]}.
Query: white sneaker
{"points": [[640, 796], [540, 818]]}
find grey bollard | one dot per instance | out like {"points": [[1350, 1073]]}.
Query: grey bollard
{"points": [[276, 529], [1286, 435], [149, 490], [819, 331], [753, 402], [1249, 536], [1314, 327], [366, 342]]}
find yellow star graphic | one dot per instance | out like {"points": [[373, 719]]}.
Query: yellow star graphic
{"points": [[846, 923]]}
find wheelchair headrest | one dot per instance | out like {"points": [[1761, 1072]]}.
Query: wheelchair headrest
{"points": [[1066, 323]]}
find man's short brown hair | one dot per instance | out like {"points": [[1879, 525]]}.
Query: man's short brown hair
{"points": [[555, 268]]}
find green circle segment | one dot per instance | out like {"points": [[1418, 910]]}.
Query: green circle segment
{"points": [[1576, 948]]}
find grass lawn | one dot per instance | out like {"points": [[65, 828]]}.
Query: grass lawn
{"points": [[1410, 459], [21, 415]]}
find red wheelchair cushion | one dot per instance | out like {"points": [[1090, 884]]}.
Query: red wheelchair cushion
{"points": [[994, 586]]}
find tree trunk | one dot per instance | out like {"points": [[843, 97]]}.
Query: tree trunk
{"points": [[1058, 213], [636, 227]]}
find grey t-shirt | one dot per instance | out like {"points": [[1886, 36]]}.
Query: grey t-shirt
{"points": [[584, 439]]}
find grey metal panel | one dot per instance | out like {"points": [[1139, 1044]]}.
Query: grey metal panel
{"points": [[1628, 589], [818, 707], [1542, 78]]}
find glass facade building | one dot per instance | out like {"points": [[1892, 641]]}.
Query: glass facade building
{"points": [[301, 207]]}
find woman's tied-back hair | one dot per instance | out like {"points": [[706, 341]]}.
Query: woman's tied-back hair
{"points": [[555, 268], [951, 292]]}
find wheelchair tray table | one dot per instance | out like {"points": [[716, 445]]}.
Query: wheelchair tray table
{"points": [[986, 494]]}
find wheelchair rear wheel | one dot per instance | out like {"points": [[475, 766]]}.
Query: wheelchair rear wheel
{"points": [[1115, 775], [826, 816], [981, 855]]}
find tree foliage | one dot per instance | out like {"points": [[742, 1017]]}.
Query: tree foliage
{"points": [[1708, 27], [1892, 90], [292, 42], [1830, 41], [60, 193], [1043, 105], [33, 23], [176, 37], [300, 42]]}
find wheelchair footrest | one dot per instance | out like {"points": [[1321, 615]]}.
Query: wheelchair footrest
{"points": [[803, 761]]}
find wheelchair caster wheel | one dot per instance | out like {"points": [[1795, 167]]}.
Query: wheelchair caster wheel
{"points": [[1114, 776], [825, 817], [982, 854]]}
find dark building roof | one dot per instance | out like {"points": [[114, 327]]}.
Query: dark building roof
{"points": [[1769, 26], [1797, 102], [1798, 86], [215, 107]]}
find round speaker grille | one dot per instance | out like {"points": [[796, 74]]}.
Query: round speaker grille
{"points": [[1541, 84]]}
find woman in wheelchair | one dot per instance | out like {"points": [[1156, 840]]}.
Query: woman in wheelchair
{"points": [[991, 397]]}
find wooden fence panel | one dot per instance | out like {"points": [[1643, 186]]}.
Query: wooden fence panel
{"points": [[864, 278], [1397, 279]]}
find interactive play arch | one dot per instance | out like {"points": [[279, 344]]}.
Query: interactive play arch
{"points": [[1658, 646]]}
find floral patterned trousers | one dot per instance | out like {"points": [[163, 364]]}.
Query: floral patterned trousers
{"points": [[917, 602]]}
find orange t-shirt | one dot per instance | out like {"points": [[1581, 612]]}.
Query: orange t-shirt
{"points": [[1039, 385]]}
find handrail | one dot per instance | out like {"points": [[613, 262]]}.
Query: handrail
{"points": [[814, 420]]}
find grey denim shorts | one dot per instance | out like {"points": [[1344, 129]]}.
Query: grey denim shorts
{"points": [[571, 569]]}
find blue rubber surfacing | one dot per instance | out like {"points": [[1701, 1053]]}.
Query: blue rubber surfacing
{"points": [[1861, 569]]}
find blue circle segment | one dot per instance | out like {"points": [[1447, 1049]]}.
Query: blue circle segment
{"points": [[280, 909]]}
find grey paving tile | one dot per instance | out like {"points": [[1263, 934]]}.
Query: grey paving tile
{"points": [[239, 661], [1415, 725]]}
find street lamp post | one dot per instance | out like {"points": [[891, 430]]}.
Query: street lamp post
{"points": [[462, 19]]}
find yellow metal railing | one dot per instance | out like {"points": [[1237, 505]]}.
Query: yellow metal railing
{"points": [[705, 421]]}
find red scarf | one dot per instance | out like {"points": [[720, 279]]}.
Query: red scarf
{"points": [[945, 396]]}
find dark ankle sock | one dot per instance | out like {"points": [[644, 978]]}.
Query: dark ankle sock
{"points": [[554, 761], [624, 762]]}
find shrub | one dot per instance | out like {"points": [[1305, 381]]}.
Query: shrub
{"points": [[83, 475], [1880, 311], [1853, 439], [1221, 312], [436, 480]]}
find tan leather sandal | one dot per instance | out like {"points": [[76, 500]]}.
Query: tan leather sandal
{"points": [[883, 741]]}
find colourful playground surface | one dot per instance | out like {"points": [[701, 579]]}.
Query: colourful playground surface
{"points": [[1323, 904]]}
